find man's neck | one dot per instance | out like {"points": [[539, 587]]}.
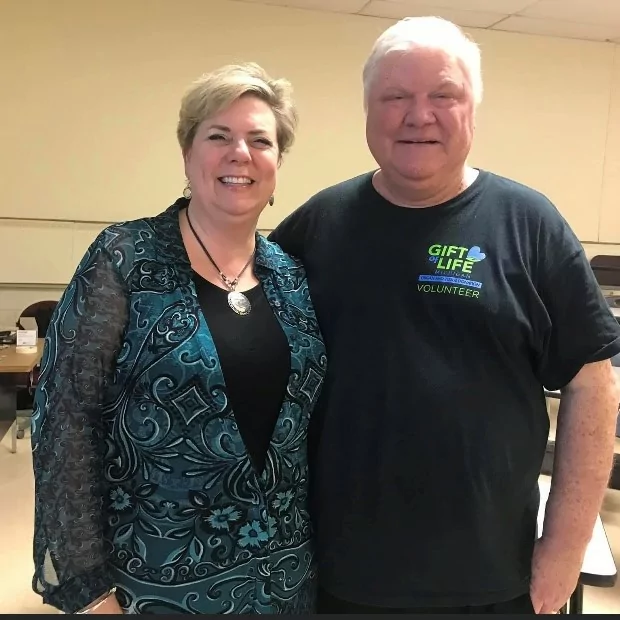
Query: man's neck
{"points": [[427, 195]]}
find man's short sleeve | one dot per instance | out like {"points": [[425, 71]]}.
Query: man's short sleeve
{"points": [[292, 232], [581, 327]]}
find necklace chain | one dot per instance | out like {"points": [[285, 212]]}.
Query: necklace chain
{"points": [[230, 284]]}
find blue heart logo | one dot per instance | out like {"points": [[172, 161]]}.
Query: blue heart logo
{"points": [[475, 254]]}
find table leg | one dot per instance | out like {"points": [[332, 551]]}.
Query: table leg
{"points": [[14, 437], [8, 408], [576, 600]]}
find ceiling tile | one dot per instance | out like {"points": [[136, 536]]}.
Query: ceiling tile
{"points": [[334, 6], [554, 28], [602, 12], [397, 10], [488, 6]]}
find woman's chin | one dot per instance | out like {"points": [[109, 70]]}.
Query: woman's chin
{"points": [[243, 207]]}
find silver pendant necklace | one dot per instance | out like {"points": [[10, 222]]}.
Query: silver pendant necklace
{"points": [[236, 300]]}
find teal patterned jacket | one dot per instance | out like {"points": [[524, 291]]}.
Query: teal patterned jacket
{"points": [[142, 480]]}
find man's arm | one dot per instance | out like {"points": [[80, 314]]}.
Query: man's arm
{"points": [[290, 234], [584, 450], [583, 458]]}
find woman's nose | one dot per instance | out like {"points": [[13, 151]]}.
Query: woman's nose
{"points": [[240, 151]]}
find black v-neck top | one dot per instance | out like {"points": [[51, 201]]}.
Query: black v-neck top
{"points": [[255, 360]]}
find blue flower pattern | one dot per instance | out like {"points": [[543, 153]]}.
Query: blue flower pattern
{"points": [[222, 518], [282, 501], [120, 499], [142, 478], [252, 535]]}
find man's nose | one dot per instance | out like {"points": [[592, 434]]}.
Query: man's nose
{"points": [[419, 113]]}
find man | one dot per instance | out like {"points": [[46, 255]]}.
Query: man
{"points": [[448, 297]]}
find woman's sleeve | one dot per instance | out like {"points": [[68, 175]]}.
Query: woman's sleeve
{"points": [[68, 439]]}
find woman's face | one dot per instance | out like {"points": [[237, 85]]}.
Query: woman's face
{"points": [[232, 162]]}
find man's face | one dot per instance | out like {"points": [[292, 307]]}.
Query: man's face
{"points": [[420, 118]]}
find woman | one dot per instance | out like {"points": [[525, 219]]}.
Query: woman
{"points": [[179, 374]]}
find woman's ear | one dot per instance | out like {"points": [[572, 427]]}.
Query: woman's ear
{"points": [[186, 158]]}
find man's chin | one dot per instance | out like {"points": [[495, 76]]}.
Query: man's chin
{"points": [[415, 174]]}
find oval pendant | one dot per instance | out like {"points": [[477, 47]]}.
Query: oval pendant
{"points": [[239, 303]]}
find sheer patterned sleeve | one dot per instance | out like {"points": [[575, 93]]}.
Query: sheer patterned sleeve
{"points": [[68, 440]]}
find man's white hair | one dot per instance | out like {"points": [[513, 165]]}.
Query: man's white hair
{"points": [[430, 33]]}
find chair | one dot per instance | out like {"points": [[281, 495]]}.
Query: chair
{"points": [[41, 312], [606, 268]]}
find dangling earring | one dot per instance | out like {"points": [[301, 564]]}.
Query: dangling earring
{"points": [[271, 200], [187, 192]]}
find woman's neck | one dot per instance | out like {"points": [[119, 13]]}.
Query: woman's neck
{"points": [[225, 239]]}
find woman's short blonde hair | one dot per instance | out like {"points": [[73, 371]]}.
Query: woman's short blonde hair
{"points": [[215, 91]]}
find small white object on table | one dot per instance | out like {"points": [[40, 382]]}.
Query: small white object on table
{"points": [[26, 341]]}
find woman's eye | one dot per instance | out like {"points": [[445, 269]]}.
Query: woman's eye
{"points": [[217, 136], [264, 142]]}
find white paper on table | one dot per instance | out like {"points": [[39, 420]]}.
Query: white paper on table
{"points": [[26, 338]]}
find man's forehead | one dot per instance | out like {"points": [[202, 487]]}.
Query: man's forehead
{"points": [[416, 63], [436, 78]]}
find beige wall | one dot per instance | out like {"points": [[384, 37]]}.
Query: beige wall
{"points": [[90, 100]]}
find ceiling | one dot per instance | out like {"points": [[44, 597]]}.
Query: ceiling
{"points": [[597, 20]]}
